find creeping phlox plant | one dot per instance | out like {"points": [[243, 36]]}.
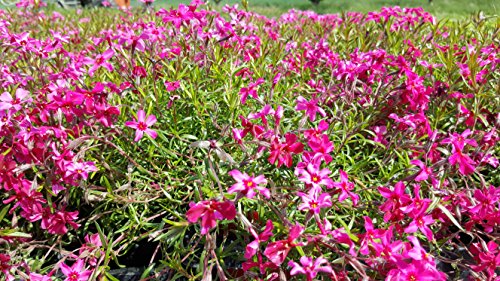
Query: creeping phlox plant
{"points": [[239, 147]]}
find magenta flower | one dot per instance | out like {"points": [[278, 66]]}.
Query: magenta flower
{"points": [[459, 141], [101, 60], [172, 86], [309, 267], [282, 152], [7, 102], [421, 222], [465, 163], [488, 259], [75, 272], [80, 170], [278, 250], [487, 200], [321, 147], [253, 246], [417, 203], [315, 177], [369, 237], [210, 212], [311, 107], [425, 172], [418, 253], [345, 188], [312, 202], [395, 200], [247, 185], [56, 223], [142, 125]]}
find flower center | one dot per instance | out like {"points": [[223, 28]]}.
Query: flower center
{"points": [[142, 126], [249, 184], [73, 276], [315, 179]]}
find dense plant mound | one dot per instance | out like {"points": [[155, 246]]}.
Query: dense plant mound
{"points": [[198, 145]]}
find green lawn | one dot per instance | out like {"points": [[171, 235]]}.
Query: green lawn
{"points": [[439, 8]]}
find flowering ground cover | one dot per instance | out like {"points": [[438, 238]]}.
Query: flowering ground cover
{"points": [[201, 145]]}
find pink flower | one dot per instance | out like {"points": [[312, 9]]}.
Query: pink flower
{"points": [[7, 102], [459, 141], [345, 188], [316, 178], [321, 147], [253, 246], [80, 170], [369, 237], [250, 90], [278, 250], [247, 185], [465, 163], [142, 125], [312, 202], [56, 223], [282, 152], [311, 107], [418, 253], [172, 86], [75, 272], [309, 267], [421, 222], [395, 200], [425, 171], [210, 212], [101, 60], [488, 259]]}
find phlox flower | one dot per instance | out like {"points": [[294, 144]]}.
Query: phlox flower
{"points": [[418, 253], [465, 163], [313, 201], [460, 140], [7, 102], [76, 272], [421, 222], [487, 200], [315, 177], [278, 250], [369, 237], [282, 152], [56, 223], [80, 170], [415, 272], [142, 125], [210, 212], [345, 188], [311, 107], [321, 147], [172, 86], [101, 60], [488, 259], [310, 267], [252, 247], [396, 199], [247, 185]]}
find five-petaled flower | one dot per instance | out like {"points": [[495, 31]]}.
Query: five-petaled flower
{"points": [[209, 212], [76, 272], [310, 267], [247, 185], [142, 125]]}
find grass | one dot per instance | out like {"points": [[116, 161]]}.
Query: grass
{"points": [[439, 8]]}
